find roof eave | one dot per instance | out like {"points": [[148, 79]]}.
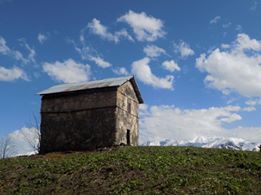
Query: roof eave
{"points": [[129, 78], [136, 89]]}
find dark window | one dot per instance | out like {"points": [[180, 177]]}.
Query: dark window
{"points": [[129, 107], [128, 137]]}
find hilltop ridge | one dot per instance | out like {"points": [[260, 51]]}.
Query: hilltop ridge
{"points": [[169, 170]]}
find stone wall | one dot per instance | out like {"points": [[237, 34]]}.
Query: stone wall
{"points": [[87, 120], [80, 100], [127, 115], [78, 121]]}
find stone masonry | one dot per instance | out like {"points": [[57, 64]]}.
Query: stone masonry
{"points": [[92, 115]]}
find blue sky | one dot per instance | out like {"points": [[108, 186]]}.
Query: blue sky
{"points": [[197, 63]]}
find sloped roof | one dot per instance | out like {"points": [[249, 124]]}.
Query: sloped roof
{"points": [[111, 82]]}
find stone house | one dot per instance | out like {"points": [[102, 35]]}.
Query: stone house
{"points": [[90, 115]]}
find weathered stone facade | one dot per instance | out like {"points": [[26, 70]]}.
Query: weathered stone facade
{"points": [[91, 118], [127, 115]]}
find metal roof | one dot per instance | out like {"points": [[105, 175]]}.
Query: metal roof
{"points": [[111, 82]]}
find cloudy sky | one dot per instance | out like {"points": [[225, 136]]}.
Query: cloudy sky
{"points": [[197, 63]]}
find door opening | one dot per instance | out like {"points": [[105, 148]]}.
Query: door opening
{"points": [[128, 137]]}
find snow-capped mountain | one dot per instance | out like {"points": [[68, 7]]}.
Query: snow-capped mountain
{"points": [[209, 142]]}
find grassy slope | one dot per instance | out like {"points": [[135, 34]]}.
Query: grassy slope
{"points": [[134, 169]]}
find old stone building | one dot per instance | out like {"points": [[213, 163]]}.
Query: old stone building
{"points": [[90, 115]]}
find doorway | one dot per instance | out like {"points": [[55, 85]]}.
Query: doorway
{"points": [[128, 137]]}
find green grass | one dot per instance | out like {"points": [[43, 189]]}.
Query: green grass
{"points": [[149, 170]]}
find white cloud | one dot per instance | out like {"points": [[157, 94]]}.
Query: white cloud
{"points": [[17, 55], [90, 54], [143, 72], [123, 33], [5, 50], [83, 50], [183, 49], [99, 29], [100, 61], [249, 108], [121, 71], [235, 68], [68, 71], [239, 27], [226, 25], [32, 53], [247, 133], [253, 102], [170, 65], [153, 51], [215, 20], [145, 27], [25, 141], [12, 74], [41, 38], [161, 122], [225, 46], [244, 43]]}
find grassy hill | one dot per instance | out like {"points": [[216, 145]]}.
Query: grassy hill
{"points": [[171, 170]]}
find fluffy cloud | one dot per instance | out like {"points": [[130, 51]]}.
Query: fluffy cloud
{"points": [[41, 38], [68, 71], [24, 141], [143, 72], [237, 67], [99, 29], [12, 74], [120, 71], [215, 20], [183, 49], [161, 122], [99, 61], [170, 65], [153, 51], [145, 27]]}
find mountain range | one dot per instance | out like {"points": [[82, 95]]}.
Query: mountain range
{"points": [[209, 142]]}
